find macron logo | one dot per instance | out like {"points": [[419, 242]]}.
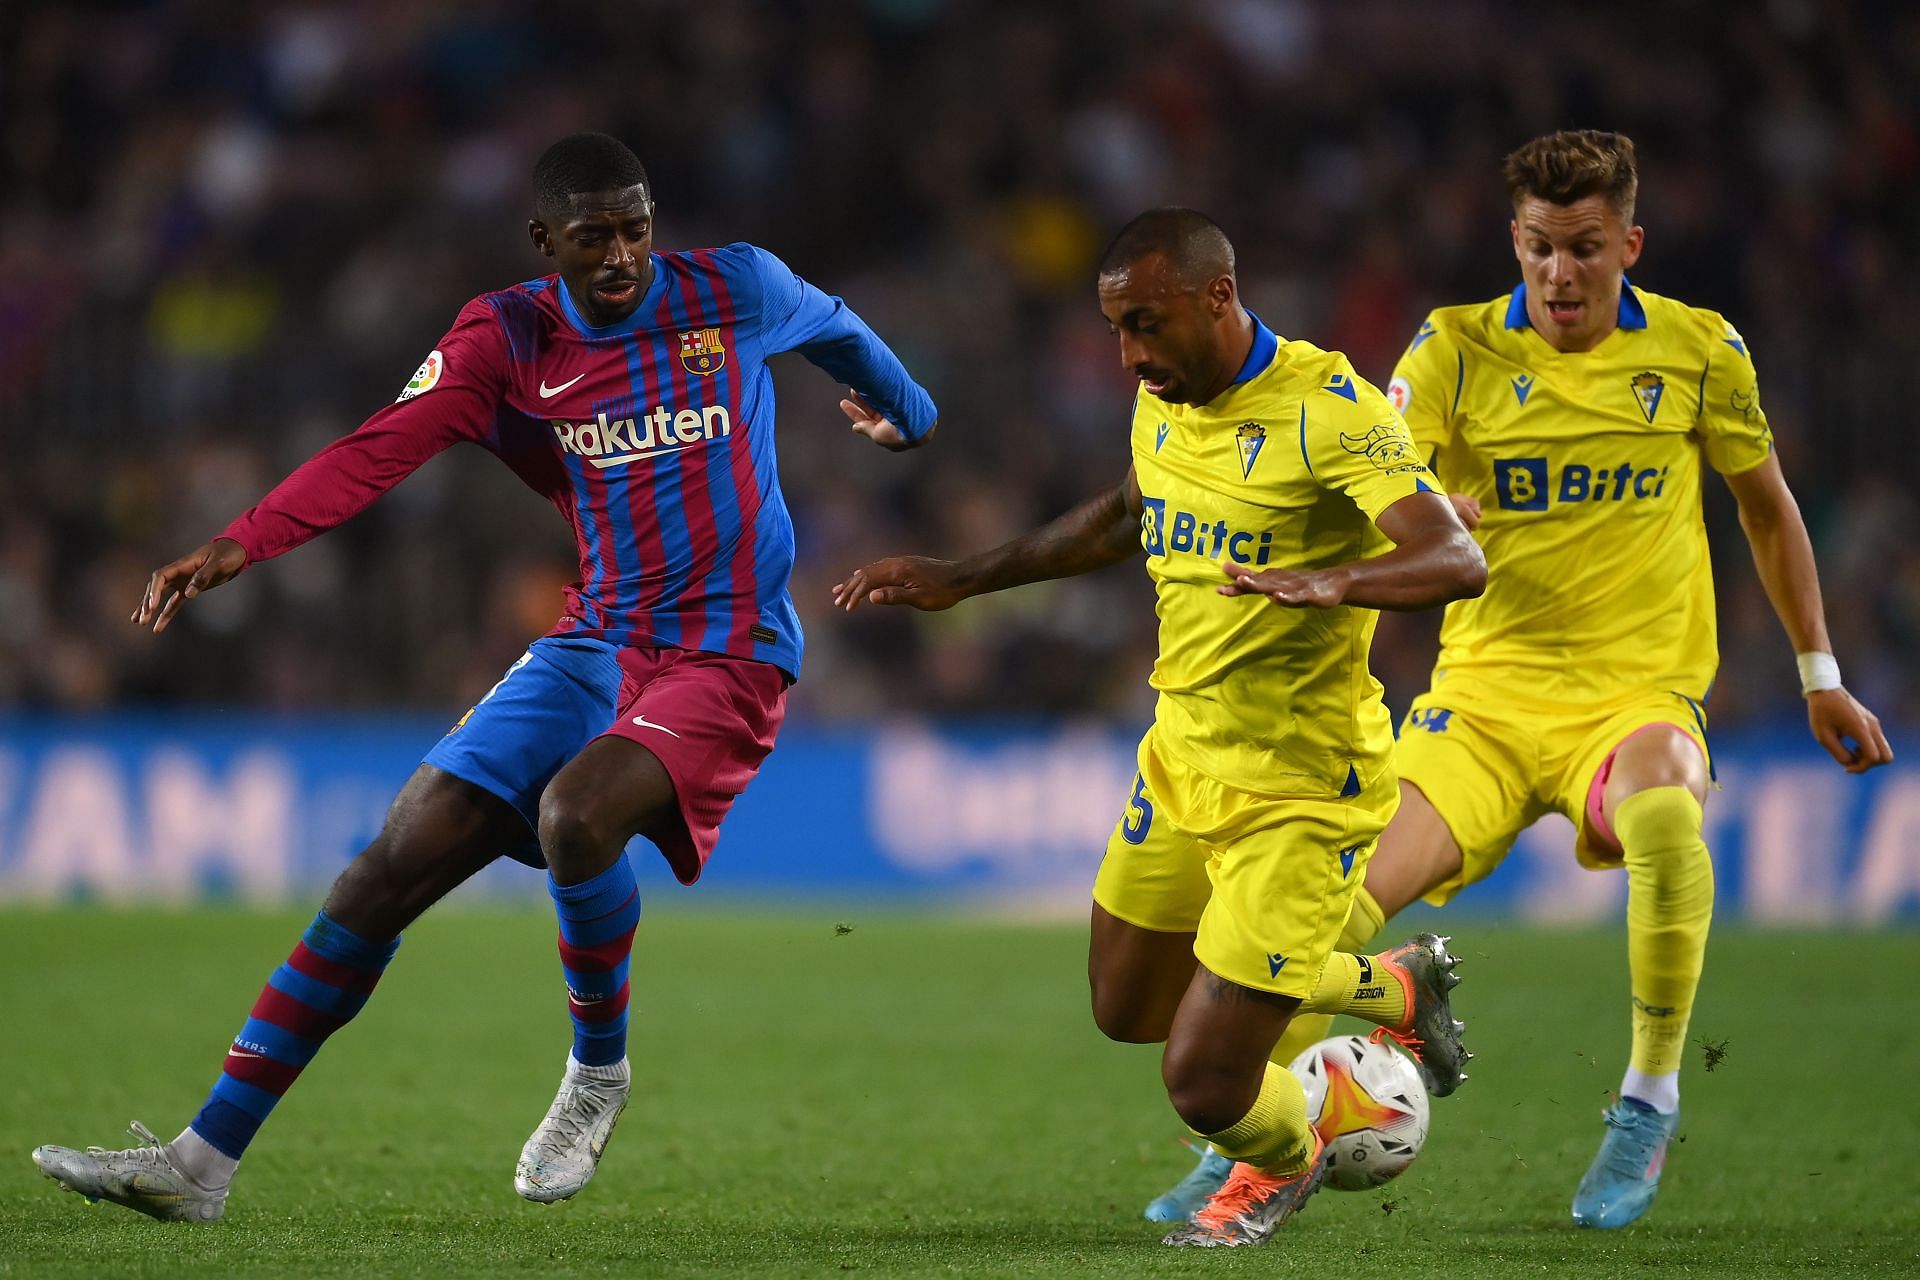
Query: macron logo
{"points": [[612, 442], [548, 393]]}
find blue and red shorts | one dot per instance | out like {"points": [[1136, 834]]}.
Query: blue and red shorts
{"points": [[709, 718]]}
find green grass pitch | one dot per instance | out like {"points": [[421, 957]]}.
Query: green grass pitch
{"points": [[922, 1097]]}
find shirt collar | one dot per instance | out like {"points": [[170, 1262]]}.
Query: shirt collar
{"points": [[1633, 315], [1264, 345]]}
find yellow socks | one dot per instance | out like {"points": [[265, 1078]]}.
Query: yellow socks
{"points": [[1669, 906], [1273, 1136], [1313, 1019], [1358, 985]]}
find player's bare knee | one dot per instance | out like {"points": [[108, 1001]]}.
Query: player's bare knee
{"points": [[1676, 771], [575, 834], [1659, 757]]}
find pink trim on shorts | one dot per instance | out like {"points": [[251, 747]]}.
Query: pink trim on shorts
{"points": [[1597, 790]]}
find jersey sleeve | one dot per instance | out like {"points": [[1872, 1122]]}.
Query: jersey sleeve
{"points": [[1733, 429], [796, 316], [1426, 386], [1362, 448], [452, 397]]}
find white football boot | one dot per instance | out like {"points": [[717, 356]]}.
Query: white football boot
{"points": [[145, 1178], [564, 1151]]}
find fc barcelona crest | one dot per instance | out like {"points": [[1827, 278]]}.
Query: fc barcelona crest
{"points": [[701, 351], [1647, 389]]}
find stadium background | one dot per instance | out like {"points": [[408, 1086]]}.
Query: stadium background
{"points": [[229, 231]]}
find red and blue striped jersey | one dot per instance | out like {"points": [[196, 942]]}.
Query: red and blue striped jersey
{"points": [[654, 437]]}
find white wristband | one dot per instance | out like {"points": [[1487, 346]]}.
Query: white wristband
{"points": [[1818, 671]]}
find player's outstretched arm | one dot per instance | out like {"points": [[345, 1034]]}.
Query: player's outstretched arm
{"points": [[1101, 531], [795, 316], [172, 585], [1434, 560], [1783, 554]]}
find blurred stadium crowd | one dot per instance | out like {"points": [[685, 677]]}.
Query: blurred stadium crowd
{"points": [[230, 230]]}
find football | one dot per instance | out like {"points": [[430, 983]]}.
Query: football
{"points": [[1367, 1103]]}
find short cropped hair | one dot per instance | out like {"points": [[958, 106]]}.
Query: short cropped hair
{"points": [[581, 163], [1192, 243], [1572, 164]]}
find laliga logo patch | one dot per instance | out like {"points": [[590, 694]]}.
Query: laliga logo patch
{"points": [[426, 377], [702, 352], [1400, 393]]}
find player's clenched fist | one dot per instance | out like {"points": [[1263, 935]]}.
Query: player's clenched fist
{"points": [[919, 581], [1288, 588], [172, 585]]}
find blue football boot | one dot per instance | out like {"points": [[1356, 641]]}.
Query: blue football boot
{"points": [[1192, 1191], [1624, 1176]]}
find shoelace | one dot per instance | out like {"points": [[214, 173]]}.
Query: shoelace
{"points": [[149, 1152], [1407, 1040], [1245, 1187], [1391, 962], [567, 1120], [1634, 1155]]}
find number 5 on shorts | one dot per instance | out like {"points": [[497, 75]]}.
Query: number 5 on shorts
{"points": [[1139, 818]]}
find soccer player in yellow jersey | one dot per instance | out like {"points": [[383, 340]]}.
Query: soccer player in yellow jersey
{"points": [[1572, 419], [1280, 502]]}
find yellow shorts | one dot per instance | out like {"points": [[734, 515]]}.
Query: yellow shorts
{"points": [[1491, 766], [1265, 882]]}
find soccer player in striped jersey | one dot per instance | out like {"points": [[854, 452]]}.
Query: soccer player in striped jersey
{"points": [[631, 390], [1573, 420]]}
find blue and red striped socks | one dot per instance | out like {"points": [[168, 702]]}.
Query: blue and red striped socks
{"points": [[317, 991], [597, 920]]}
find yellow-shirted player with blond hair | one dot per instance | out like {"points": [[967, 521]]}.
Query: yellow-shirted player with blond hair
{"points": [[1572, 420], [1280, 502]]}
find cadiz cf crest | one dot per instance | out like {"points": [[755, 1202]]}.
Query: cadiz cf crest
{"points": [[702, 351], [1647, 389], [1252, 438]]}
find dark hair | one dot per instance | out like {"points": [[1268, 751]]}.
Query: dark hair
{"points": [[1572, 165], [1192, 243], [585, 162]]}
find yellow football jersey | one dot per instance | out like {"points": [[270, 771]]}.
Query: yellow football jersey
{"points": [[1286, 468], [1587, 468]]}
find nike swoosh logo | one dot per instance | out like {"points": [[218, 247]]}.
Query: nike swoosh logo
{"points": [[548, 393], [645, 723]]}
